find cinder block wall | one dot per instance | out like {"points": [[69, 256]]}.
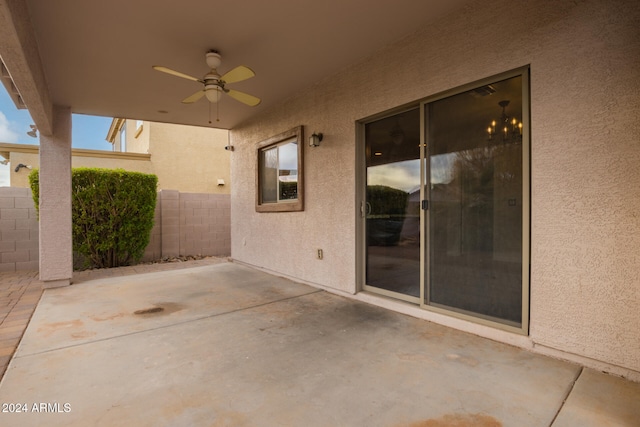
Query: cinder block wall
{"points": [[18, 230], [185, 224], [205, 224], [190, 224], [153, 250]]}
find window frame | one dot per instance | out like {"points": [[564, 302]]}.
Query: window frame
{"points": [[123, 137], [139, 127], [284, 205]]}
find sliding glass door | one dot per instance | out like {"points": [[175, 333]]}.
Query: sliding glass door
{"points": [[446, 203], [392, 207], [475, 189]]}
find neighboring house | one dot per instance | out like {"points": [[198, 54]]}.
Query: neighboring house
{"points": [[28, 155], [185, 158]]}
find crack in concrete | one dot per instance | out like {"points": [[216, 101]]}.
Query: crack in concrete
{"points": [[573, 384]]}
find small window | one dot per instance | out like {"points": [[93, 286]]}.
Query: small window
{"points": [[279, 178]]}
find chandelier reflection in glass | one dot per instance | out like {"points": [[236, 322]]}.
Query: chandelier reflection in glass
{"points": [[507, 129]]}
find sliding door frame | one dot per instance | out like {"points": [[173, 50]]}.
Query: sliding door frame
{"points": [[361, 211], [360, 202], [523, 328]]}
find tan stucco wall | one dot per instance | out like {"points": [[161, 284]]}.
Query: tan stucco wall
{"points": [[190, 158], [137, 139], [585, 101], [21, 178]]}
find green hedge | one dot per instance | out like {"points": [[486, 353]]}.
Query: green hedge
{"points": [[385, 200], [112, 212], [388, 209]]}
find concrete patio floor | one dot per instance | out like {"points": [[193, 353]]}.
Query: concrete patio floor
{"points": [[227, 345]]}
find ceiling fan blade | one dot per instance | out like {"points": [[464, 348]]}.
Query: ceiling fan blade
{"points": [[193, 98], [176, 73], [238, 74], [245, 98]]}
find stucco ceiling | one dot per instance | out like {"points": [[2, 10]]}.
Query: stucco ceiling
{"points": [[97, 55]]}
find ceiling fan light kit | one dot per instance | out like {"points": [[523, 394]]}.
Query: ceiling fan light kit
{"points": [[213, 94], [214, 85]]}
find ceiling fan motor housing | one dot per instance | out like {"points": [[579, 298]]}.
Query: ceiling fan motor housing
{"points": [[213, 59]]}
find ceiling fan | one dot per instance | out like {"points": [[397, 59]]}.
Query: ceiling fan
{"points": [[214, 84]]}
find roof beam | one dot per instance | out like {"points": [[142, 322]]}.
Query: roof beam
{"points": [[19, 53]]}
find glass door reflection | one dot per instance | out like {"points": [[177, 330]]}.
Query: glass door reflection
{"points": [[476, 203], [393, 204]]}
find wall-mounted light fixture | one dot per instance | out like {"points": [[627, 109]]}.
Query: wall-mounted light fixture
{"points": [[314, 140], [220, 182], [20, 166], [33, 133]]}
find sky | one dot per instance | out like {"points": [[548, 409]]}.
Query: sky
{"points": [[405, 175], [88, 132]]}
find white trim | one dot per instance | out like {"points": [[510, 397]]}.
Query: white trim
{"points": [[114, 129]]}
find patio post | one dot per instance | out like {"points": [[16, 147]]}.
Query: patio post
{"points": [[56, 257]]}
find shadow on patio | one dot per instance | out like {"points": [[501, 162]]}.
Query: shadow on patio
{"points": [[227, 345]]}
